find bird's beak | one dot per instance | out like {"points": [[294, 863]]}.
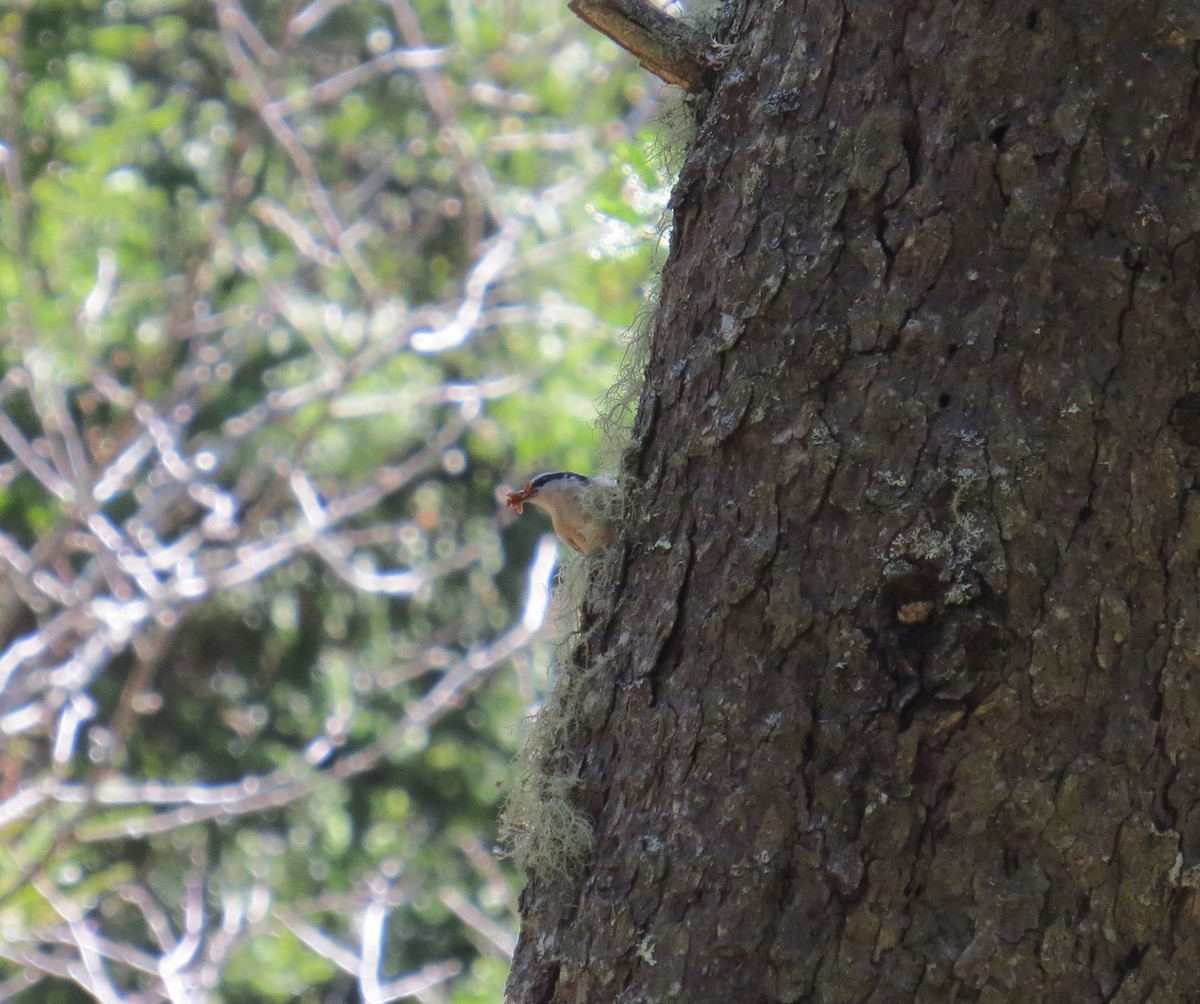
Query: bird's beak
{"points": [[517, 500]]}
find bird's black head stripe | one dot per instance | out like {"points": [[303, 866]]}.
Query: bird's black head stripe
{"points": [[551, 476]]}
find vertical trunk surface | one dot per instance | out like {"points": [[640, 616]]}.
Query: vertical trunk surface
{"points": [[897, 696]]}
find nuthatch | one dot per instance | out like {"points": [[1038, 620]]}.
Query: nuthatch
{"points": [[581, 509]]}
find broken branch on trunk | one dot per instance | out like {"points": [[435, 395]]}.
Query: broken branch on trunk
{"points": [[664, 45]]}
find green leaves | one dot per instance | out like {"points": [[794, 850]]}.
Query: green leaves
{"points": [[290, 293]]}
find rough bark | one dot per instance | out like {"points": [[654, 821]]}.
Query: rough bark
{"points": [[897, 695]]}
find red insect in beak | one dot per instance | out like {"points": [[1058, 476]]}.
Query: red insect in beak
{"points": [[516, 500]]}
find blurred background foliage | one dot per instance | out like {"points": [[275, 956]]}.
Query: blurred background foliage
{"points": [[287, 291]]}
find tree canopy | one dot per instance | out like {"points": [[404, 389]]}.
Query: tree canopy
{"points": [[287, 292]]}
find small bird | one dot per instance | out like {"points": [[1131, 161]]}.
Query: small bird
{"points": [[582, 509]]}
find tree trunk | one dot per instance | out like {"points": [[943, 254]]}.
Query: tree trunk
{"points": [[897, 696]]}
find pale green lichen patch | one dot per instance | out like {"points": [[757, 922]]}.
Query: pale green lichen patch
{"points": [[541, 824]]}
